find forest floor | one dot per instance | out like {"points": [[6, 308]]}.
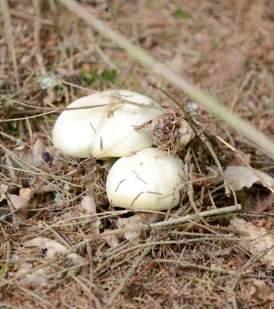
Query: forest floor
{"points": [[61, 249]]}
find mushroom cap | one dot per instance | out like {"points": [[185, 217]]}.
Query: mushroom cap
{"points": [[149, 180], [105, 125]]}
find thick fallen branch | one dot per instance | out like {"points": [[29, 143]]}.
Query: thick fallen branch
{"points": [[211, 104]]}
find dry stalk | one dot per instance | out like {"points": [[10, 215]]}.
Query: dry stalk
{"points": [[37, 29], [262, 142], [9, 37]]}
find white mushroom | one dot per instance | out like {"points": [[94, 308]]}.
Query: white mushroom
{"points": [[104, 125], [148, 180]]}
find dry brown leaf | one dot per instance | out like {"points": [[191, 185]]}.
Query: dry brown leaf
{"points": [[32, 279], [25, 193], [3, 191], [48, 249], [111, 239], [239, 177], [264, 204], [20, 204], [133, 226], [89, 206], [38, 155], [257, 240], [37, 152], [261, 291], [16, 202]]}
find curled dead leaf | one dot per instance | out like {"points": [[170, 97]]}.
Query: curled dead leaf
{"points": [[50, 248], [110, 238], [239, 177], [20, 204], [133, 226], [257, 240], [261, 291]]}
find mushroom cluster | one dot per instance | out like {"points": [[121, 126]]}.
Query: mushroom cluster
{"points": [[112, 124]]}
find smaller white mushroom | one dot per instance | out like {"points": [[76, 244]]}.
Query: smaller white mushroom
{"points": [[148, 180]]}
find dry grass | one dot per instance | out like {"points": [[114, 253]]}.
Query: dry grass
{"points": [[225, 47]]}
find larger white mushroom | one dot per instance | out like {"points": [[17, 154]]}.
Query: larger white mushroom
{"points": [[148, 180], [104, 125]]}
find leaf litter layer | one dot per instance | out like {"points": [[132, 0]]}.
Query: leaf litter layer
{"points": [[61, 243]]}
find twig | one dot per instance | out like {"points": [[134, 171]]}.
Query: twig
{"points": [[210, 103], [37, 28], [187, 218], [242, 87], [259, 255], [129, 273], [28, 17], [196, 266], [9, 36]]}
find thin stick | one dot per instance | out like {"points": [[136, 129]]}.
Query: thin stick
{"points": [[129, 273], [9, 36], [211, 104], [37, 29]]}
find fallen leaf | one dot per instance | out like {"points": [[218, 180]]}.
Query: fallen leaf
{"points": [[37, 155], [25, 193], [110, 238], [50, 98], [20, 204], [3, 191], [133, 226], [16, 202], [31, 279], [261, 291], [263, 204], [239, 177], [37, 152], [256, 240], [89, 206], [49, 248], [46, 248]]}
